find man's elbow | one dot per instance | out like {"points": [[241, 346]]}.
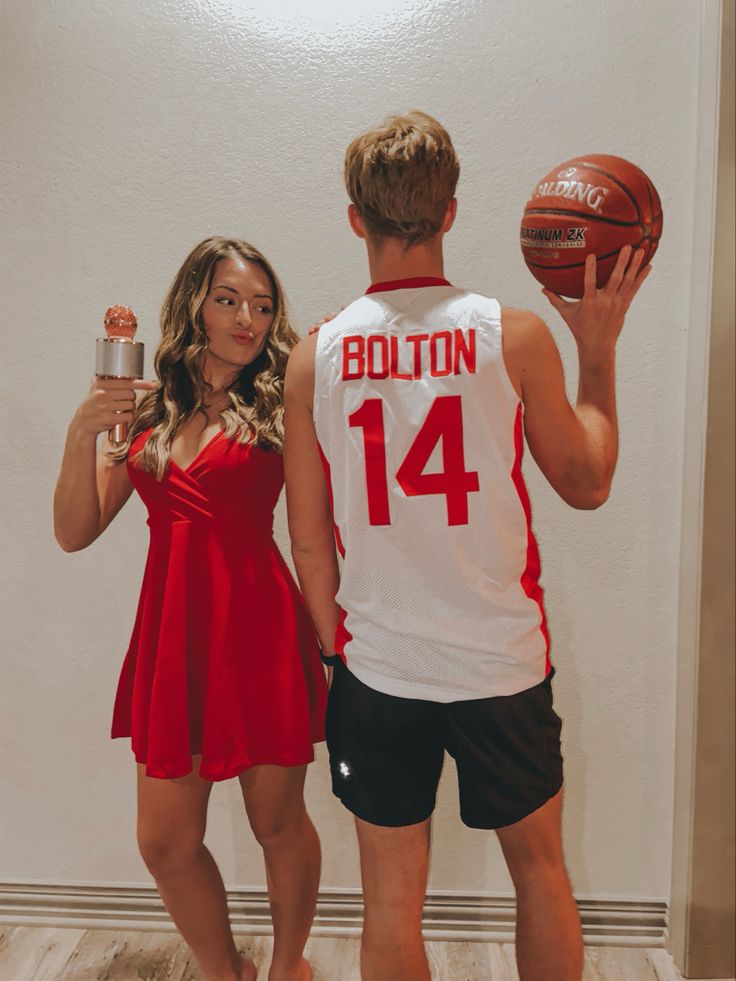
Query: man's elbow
{"points": [[305, 550], [591, 502], [584, 489], [588, 498], [298, 551]]}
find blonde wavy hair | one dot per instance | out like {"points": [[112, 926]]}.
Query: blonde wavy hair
{"points": [[256, 410], [401, 177]]}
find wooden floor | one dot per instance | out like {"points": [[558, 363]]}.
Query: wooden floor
{"points": [[47, 954]]}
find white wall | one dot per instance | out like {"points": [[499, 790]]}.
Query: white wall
{"points": [[132, 130]]}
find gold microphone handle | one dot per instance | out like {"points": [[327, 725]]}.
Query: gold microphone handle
{"points": [[118, 357], [118, 434]]}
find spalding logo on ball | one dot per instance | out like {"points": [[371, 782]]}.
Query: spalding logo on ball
{"points": [[590, 204]]}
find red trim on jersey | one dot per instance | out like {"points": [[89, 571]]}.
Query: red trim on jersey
{"points": [[530, 576], [417, 282], [342, 635]]}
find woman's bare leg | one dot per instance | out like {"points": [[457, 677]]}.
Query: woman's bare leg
{"points": [[274, 802], [172, 816]]}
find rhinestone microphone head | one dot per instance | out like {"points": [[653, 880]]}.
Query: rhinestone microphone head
{"points": [[120, 321]]}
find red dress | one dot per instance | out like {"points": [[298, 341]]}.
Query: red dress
{"points": [[223, 660]]}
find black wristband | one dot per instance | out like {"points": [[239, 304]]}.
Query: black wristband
{"points": [[330, 660]]}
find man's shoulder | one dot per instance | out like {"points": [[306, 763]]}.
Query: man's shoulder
{"points": [[304, 350], [300, 367], [527, 342], [482, 302], [522, 324], [348, 318]]}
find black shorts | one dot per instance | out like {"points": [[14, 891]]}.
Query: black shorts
{"points": [[386, 753]]}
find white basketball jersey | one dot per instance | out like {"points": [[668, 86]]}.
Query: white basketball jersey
{"points": [[421, 433]]}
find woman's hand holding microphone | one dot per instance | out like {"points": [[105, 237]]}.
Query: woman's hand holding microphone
{"points": [[110, 401]]}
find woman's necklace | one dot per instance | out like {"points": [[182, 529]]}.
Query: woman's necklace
{"points": [[216, 404], [218, 398]]}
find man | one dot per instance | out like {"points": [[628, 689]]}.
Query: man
{"points": [[405, 420]]}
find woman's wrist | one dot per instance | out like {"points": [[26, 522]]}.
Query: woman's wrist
{"points": [[80, 434]]}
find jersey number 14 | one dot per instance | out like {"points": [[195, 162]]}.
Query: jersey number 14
{"points": [[444, 422]]}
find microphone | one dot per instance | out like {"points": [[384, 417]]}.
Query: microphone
{"points": [[119, 356]]}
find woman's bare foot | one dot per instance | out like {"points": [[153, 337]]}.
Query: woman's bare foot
{"points": [[248, 970], [303, 972]]}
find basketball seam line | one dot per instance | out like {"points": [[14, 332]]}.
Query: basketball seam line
{"points": [[578, 214], [627, 192]]}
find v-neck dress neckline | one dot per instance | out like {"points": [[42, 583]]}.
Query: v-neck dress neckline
{"points": [[198, 457]]}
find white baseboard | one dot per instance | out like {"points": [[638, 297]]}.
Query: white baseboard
{"points": [[447, 916]]}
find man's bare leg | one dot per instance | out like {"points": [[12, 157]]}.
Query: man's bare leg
{"points": [[394, 865], [549, 945]]}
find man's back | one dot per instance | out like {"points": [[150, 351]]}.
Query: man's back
{"points": [[412, 398], [421, 429]]}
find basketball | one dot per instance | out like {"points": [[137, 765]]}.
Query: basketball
{"points": [[594, 204]]}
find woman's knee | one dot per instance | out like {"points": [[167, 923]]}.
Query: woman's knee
{"points": [[273, 828], [167, 853]]}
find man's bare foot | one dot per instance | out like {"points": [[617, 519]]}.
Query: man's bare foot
{"points": [[303, 972], [248, 970]]}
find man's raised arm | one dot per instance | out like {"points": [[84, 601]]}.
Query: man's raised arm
{"points": [[576, 447]]}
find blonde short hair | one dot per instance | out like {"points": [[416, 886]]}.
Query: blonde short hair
{"points": [[402, 176]]}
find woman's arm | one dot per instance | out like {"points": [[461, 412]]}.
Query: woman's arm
{"points": [[91, 488]]}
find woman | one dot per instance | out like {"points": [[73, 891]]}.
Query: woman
{"points": [[222, 677]]}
